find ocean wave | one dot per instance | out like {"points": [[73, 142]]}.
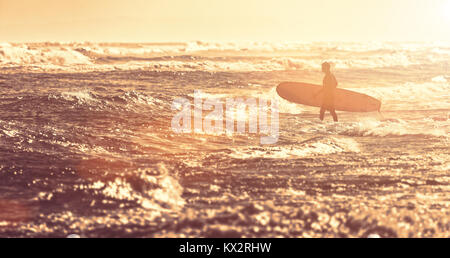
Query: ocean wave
{"points": [[216, 56], [158, 192], [46, 57], [126, 100], [311, 147]]}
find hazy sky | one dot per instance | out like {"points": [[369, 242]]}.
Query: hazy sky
{"points": [[172, 20]]}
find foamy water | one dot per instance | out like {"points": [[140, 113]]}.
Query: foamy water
{"points": [[220, 56], [87, 148]]}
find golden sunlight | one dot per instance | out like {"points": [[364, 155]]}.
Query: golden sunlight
{"points": [[175, 20]]}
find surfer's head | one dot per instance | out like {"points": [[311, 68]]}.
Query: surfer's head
{"points": [[325, 67]]}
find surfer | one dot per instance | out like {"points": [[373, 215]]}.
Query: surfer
{"points": [[329, 85]]}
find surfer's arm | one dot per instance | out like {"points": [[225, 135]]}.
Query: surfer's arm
{"points": [[318, 92], [321, 89]]}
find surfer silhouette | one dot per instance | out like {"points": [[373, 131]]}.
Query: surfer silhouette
{"points": [[328, 91]]}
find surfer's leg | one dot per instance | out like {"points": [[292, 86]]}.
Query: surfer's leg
{"points": [[322, 113], [333, 113]]}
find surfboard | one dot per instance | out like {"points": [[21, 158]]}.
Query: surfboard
{"points": [[344, 100]]}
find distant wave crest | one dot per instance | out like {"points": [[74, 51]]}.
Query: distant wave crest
{"points": [[217, 56]]}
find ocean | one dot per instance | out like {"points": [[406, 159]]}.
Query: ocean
{"points": [[87, 147]]}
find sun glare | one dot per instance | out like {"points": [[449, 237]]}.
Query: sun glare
{"points": [[446, 10]]}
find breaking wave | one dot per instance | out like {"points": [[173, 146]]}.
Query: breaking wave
{"points": [[217, 56]]}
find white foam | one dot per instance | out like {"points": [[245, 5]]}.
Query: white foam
{"points": [[389, 127], [439, 78], [163, 192], [321, 146], [413, 96], [82, 97], [278, 55]]}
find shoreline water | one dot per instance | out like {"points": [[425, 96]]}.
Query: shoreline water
{"points": [[87, 148]]}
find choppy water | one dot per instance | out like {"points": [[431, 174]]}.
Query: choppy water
{"points": [[86, 145]]}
